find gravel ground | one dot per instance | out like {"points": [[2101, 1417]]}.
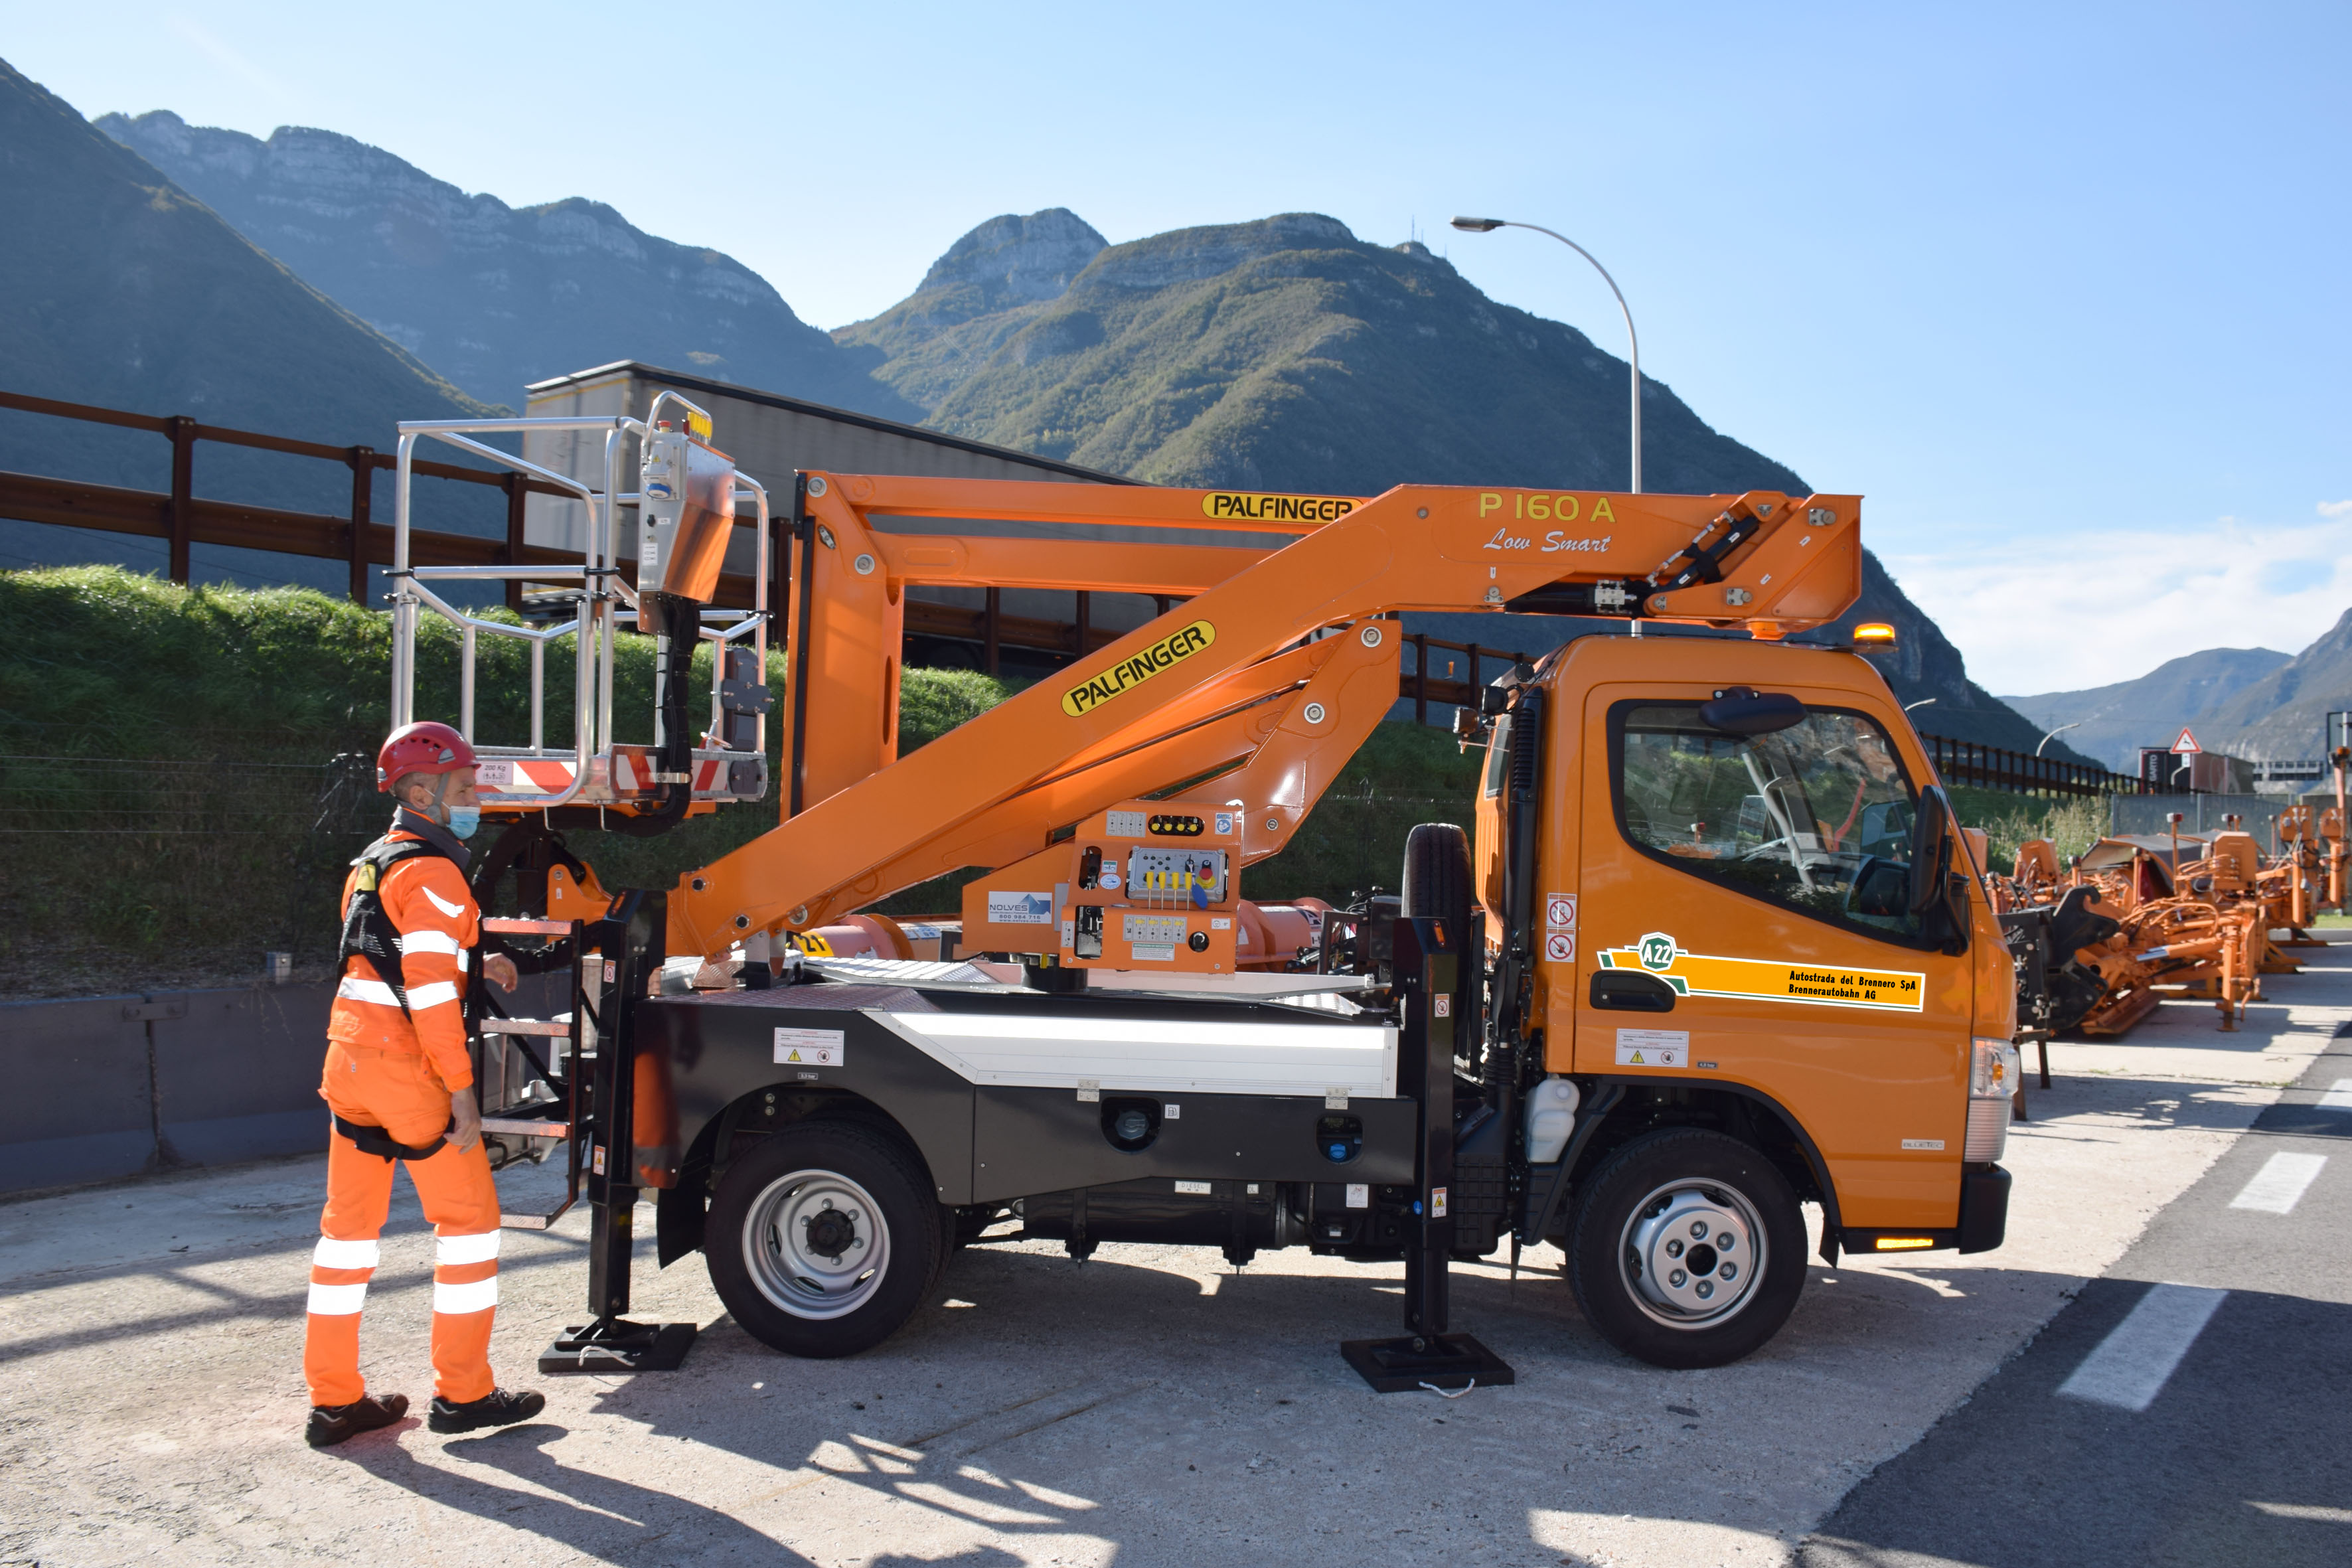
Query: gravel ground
{"points": [[1150, 1406]]}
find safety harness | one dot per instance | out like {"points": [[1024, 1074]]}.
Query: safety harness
{"points": [[369, 934], [368, 930], [376, 1141]]}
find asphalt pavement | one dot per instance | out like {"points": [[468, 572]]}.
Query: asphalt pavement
{"points": [[2193, 1407]]}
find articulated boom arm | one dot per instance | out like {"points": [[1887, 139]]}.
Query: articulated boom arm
{"points": [[1237, 683]]}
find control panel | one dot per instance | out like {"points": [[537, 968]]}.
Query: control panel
{"points": [[1146, 884]]}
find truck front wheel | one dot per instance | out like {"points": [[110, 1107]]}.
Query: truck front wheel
{"points": [[824, 1238], [1687, 1250]]}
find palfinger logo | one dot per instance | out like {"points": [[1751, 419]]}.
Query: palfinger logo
{"points": [[1129, 673], [1230, 505]]}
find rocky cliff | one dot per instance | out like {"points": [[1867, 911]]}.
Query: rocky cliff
{"points": [[118, 287], [497, 297]]}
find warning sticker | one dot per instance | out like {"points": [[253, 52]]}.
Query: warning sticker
{"points": [[1559, 946], [1652, 1047], [1020, 909], [810, 1048], [1771, 980], [1560, 912]]}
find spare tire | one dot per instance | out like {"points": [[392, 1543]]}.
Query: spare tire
{"points": [[1437, 887]]}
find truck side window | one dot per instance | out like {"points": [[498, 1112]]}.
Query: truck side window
{"points": [[1499, 756], [1816, 816]]}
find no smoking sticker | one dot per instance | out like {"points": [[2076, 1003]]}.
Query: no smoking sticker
{"points": [[1559, 947], [1560, 910]]}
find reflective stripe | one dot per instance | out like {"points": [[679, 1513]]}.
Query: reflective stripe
{"points": [[420, 998], [444, 905], [477, 1296], [430, 942], [354, 989], [337, 1301], [450, 1250], [332, 1254]]}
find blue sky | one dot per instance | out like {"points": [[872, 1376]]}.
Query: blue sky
{"points": [[2060, 288]]}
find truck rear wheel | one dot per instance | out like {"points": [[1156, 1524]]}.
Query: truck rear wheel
{"points": [[824, 1238], [1687, 1250]]}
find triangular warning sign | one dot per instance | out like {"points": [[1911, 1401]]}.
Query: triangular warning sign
{"points": [[793, 1057], [2187, 745], [1637, 1061]]}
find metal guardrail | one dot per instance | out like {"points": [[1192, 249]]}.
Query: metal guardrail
{"points": [[2023, 773]]}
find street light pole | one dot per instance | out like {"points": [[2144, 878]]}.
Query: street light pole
{"points": [[2059, 731], [1633, 344]]}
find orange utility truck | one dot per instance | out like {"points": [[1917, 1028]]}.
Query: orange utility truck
{"points": [[1713, 950]]}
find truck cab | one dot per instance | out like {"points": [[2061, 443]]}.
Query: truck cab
{"points": [[1729, 940]]}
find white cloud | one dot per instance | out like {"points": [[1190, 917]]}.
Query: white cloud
{"points": [[2085, 609], [221, 53]]}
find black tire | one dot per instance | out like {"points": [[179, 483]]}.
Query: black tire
{"points": [[1679, 1190], [1437, 874], [1437, 887], [843, 1178]]}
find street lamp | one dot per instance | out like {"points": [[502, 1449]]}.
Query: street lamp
{"points": [[2059, 731], [1634, 345]]}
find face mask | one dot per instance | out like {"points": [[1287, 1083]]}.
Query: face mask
{"points": [[464, 819]]}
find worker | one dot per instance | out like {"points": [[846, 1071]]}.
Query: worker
{"points": [[399, 1084]]}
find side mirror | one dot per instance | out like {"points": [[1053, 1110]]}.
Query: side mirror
{"points": [[1931, 849], [1740, 711]]}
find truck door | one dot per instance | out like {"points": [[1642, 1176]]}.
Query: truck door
{"points": [[1745, 924]]}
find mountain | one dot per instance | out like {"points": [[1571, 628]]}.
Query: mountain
{"points": [[2283, 716], [1289, 354], [1283, 352], [118, 287], [2116, 720], [498, 297]]}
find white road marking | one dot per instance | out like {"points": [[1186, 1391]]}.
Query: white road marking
{"points": [[2279, 1185], [2339, 1098], [2131, 1365], [2318, 1513]]}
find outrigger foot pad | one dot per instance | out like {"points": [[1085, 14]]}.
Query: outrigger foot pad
{"points": [[614, 1344], [1436, 1360]]}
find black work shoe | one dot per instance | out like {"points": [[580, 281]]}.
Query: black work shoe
{"points": [[496, 1409], [330, 1424]]}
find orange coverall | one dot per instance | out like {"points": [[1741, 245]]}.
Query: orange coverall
{"points": [[382, 1071]]}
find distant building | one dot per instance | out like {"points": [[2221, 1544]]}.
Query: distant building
{"points": [[2281, 777], [2207, 773]]}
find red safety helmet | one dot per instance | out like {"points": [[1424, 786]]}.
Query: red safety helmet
{"points": [[426, 748]]}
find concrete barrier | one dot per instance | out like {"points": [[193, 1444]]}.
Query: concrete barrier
{"points": [[106, 1087]]}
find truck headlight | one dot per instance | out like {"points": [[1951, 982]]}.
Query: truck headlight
{"points": [[1993, 1067], [1992, 1071]]}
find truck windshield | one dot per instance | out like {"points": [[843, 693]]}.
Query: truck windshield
{"points": [[1816, 816]]}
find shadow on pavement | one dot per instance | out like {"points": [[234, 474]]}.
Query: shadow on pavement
{"points": [[600, 1518]]}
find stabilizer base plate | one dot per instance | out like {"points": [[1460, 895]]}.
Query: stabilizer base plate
{"points": [[1439, 1360], [618, 1345]]}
